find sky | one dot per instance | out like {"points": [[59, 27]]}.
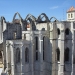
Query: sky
{"points": [[56, 8]]}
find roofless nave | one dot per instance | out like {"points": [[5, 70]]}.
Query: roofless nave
{"points": [[38, 46]]}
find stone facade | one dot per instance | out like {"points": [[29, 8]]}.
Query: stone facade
{"points": [[37, 46]]}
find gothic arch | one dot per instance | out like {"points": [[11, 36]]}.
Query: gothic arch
{"points": [[30, 16], [19, 17], [41, 16], [3, 18], [54, 18], [67, 31]]}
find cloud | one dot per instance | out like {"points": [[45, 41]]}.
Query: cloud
{"points": [[54, 7]]}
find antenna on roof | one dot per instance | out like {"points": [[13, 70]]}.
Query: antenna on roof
{"points": [[63, 14]]}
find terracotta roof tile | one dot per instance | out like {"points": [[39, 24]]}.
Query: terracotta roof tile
{"points": [[71, 9]]}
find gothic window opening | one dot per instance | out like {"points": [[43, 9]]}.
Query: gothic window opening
{"points": [[43, 47], [0, 55], [58, 31], [66, 54], [36, 48], [36, 38], [67, 31], [26, 55], [17, 55], [58, 54], [36, 55]]}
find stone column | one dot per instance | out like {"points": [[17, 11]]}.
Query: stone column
{"points": [[22, 55], [8, 58], [32, 52], [54, 57], [73, 49], [12, 59], [54, 47], [41, 52], [61, 68]]}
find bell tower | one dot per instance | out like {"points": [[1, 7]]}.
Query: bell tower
{"points": [[71, 14]]}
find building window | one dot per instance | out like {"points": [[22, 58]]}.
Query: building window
{"points": [[43, 47], [71, 15], [14, 35], [68, 15], [67, 31], [58, 30], [66, 54], [26, 55], [17, 55], [36, 38], [58, 54]]}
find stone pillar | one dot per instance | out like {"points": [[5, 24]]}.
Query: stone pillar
{"points": [[61, 67], [32, 53], [73, 49], [12, 60], [41, 52], [8, 58], [54, 47], [22, 55], [54, 57]]}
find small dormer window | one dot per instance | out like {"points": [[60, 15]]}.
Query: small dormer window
{"points": [[68, 15]]}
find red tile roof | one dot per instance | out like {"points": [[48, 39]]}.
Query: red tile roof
{"points": [[71, 9]]}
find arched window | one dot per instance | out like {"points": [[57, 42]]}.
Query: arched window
{"points": [[67, 31], [58, 30], [43, 47], [58, 54], [36, 38], [17, 55], [66, 54], [26, 55], [0, 55]]}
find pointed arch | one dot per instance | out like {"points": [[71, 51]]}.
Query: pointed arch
{"points": [[30, 16], [67, 31], [41, 16], [53, 18], [3, 18], [20, 18], [58, 31]]}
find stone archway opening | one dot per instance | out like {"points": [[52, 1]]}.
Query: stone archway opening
{"points": [[1, 61]]}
